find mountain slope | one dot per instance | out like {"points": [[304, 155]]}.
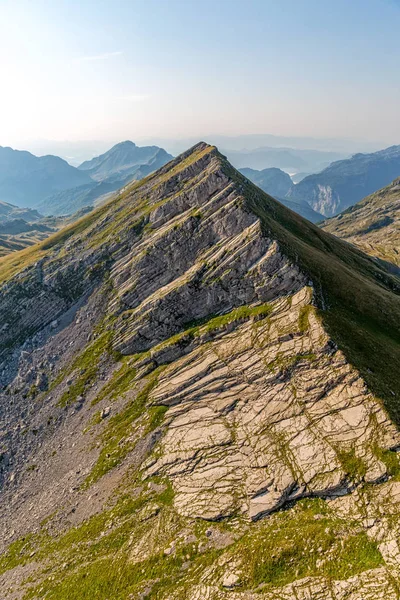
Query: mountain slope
{"points": [[278, 184], [9, 212], [123, 160], [171, 377], [273, 181], [26, 179], [346, 182], [112, 170], [373, 224], [19, 228]]}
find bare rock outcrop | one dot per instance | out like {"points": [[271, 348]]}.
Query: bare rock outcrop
{"points": [[176, 419]]}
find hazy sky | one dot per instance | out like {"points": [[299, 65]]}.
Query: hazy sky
{"points": [[96, 69]]}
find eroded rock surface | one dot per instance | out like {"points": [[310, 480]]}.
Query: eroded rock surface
{"points": [[163, 367], [267, 414]]}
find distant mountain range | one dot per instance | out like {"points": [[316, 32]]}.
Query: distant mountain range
{"points": [[9, 212], [278, 184], [124, 160], [26, 179], [239, 143], [346, 182], [54, 187], [373, 224], [289, 159], [107, 173]]}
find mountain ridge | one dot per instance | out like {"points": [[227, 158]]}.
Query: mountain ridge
{"points": [[180, 368], [25, 179], [124, 158], [346, 182]]}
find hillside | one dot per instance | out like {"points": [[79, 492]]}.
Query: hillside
{"points": [[108, 172], [346, 182], [372, 224], [273, 181], [123, 160], [278, 184], [199, 395], [17, 234], [9, 212], [26, 179], [20, 227]]}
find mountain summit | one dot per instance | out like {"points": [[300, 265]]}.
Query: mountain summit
{"points": [[107, 173], [179, 365], [124, 159]]}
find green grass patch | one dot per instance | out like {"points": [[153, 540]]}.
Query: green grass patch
{"points": [[212, 323], [115, 446], [285, 363], [18, 553], [390, 459], [120, 382], [303, 317], [86, 367], [305, 541], [352, 464]]}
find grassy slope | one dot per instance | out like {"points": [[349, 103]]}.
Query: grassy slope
{"points": [[373, 224], [359, 299]]}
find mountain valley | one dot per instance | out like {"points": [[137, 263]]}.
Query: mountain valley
{"points": [[279, 185], [344, 183], [372, 224]]}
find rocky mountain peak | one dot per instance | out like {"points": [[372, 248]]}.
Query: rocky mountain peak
{"points": [[176, 368]]}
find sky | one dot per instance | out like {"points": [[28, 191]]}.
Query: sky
{"points": [[137, 69]]}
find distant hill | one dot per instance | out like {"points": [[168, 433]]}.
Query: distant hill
{"points": [[123, 160], [303, 209], [289, 159], [17, 234], [107, 173], [273, 181], [9, 212], [373, 224], [278, 184], [346, 182], [26, 179], [16, 226]]}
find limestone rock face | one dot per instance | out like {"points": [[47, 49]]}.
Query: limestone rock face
{"points": [[263, 415], [176, 420]]}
